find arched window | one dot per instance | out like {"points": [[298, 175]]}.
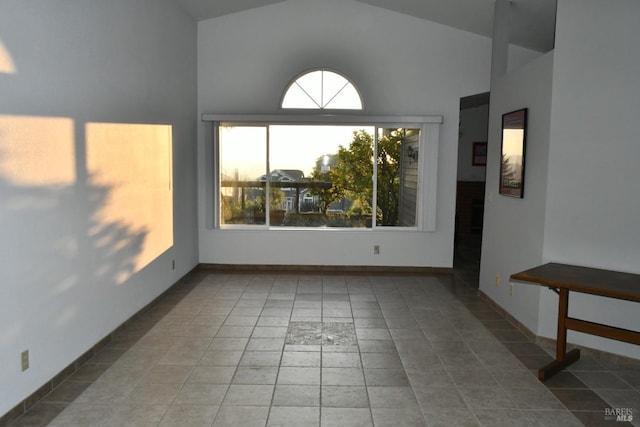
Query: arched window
{"points": [[286, 171], [322, 90]]}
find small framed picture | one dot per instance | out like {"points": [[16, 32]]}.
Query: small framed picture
{"points": [[514, 137], [479, 155]]}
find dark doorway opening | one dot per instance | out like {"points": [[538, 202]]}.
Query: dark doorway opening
{"points": [[470, 188]]}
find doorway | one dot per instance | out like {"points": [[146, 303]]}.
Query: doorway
{"points": [[470, 188]]}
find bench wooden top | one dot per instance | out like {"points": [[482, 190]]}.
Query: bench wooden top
{"points": [[588, 280]]}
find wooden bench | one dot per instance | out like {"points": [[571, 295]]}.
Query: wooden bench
{"points": [[562, 279]]}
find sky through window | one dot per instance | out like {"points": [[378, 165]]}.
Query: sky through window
{"points": [[322, 89]]}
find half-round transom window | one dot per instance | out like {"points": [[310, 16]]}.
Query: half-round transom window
{"points": [[324, 90]]}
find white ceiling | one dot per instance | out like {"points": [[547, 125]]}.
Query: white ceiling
{"points": [[532, 23]]}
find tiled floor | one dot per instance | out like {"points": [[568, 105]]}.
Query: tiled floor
{"points": [[299, 350]]}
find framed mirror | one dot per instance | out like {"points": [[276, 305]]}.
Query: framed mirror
{"points": [[514, 136]]}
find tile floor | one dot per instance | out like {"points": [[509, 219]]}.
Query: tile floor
{"points": [[239, 349]]}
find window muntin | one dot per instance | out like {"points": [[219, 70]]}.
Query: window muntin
{"points": [[322, 89], [319, 176]]}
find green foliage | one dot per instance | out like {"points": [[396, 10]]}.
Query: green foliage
{"points": [[276, 197], [354, 171], [388, 162], [351, 170], [251, 211], [323, 172]]}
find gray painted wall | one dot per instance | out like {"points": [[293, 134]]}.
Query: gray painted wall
{"points": [[402, 65], [80, 62], [514, 228], [593, 195], [581, 201]]}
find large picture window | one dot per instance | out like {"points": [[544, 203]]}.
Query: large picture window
{"points": [[272, 175]]}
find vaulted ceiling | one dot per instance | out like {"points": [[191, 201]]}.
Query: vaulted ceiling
{"points": [[532, 21]]}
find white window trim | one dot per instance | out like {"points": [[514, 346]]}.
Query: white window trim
{"points": [[307, 72], [301, 118], [428, 160]]}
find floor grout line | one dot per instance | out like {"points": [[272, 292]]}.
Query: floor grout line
{"points": [[397, 299]]}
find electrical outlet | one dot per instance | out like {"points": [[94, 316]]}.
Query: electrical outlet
{"points": [[497, 280], [376, 249], [511, 289], [24, 359]]}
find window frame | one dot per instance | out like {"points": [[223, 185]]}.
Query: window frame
{"points": [[295, 80], [428, 164]]}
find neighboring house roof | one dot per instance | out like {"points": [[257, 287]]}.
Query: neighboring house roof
{"points": [[292, 175], [297, 175]]}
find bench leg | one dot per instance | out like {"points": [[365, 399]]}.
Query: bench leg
{"points": [[557, 365], [563, 359]]}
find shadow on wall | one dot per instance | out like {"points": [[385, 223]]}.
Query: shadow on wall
{"points": [[82, 209]]}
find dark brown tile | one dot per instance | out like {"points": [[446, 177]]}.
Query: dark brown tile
{"points": [[488, 315], [620, 363], [525, 348], [63, 375], [89, 372], [473, 304], [88, 355], [12, 415], [630, 377], [580, 400], [138, 327], [108, 355], [498, 325], [508, 335], [586, 363], [158, 311], [533, 361], [40, 415], [564, 380], [597, 379], [124, 341], [621, 398], [37, 395], [67, 391]]}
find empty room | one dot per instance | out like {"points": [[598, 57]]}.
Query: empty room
{"points": [[224, 213]]}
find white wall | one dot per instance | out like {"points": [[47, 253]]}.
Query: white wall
{"points": [[61, 285], [474, 124], [513, 228], [581, 200], [593, 196], [402, 65], [520, 56]]}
